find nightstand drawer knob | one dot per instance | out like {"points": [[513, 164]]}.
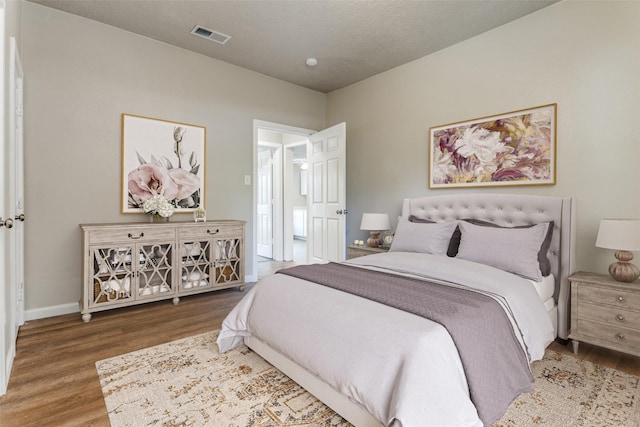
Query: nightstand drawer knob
{"points": [[620, 318], [620, 336], [620, 298]]}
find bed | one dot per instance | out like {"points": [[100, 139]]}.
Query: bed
{"points": [[377, 365]]}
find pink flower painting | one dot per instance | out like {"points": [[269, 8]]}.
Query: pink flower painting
{"points": [[162, 159], [516, 148]]}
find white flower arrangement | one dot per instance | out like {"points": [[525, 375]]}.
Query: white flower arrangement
{"points": [[158, 205]]}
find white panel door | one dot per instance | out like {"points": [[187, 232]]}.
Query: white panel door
{"points": [[327, 201], [16, 194], [6, 334], [265, 203]]}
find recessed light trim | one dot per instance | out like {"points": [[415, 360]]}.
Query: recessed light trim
{"points": [[208, 34], [312, 62]]}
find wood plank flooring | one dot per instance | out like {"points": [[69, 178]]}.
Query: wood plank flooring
{"points": [[54, 380]]}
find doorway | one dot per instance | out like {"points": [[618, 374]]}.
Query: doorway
{"points": [[280, 192], [281, 154]]}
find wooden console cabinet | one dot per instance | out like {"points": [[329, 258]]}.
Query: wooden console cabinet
{"points": [[134, 263]]}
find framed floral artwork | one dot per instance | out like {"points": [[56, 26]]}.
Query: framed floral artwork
{"points": [[165, 158], [515, 148]]}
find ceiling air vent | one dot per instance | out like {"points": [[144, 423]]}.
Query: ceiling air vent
{"points": [[210, 34]]}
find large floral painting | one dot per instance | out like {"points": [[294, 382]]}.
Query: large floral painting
{"points": [[163, 158], [516, 148]]}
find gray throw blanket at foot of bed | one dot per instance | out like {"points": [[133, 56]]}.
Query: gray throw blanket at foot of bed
{"points": [[495, 364]]}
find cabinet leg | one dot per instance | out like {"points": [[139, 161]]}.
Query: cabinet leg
{"points": [[575, 344], [86, 317], [241, 288], [176, 300]]}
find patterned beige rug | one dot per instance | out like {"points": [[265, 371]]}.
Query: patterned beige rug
{"points": [[187, 383]]}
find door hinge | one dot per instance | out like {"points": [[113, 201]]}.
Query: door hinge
{"points": [[21, 292]]}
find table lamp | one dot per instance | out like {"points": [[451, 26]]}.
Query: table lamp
{"points": [[623, 235], [374, 223]]}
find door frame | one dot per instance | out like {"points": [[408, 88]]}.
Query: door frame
{"points": [[276, 127]]}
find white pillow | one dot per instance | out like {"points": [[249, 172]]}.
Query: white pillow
{"points": [[420, 237], [510, 249]]}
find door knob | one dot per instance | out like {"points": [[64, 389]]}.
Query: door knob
{"points": [[20, 217], [6, 223]]}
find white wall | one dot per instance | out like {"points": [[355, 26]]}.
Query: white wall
{"points": [[80, 76], [584, 56]]}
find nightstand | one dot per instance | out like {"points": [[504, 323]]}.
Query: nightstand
{"points": [[355, 251], [605, 312]]}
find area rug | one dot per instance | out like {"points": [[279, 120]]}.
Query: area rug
{"points": [[187, 383]]}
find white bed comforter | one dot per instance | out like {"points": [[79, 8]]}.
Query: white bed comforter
{"points": [[402, 368]]}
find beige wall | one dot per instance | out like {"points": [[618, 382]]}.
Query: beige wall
{"points": [[584, 56], [80, 76]]}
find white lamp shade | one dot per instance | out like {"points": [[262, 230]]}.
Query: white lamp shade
{"points": [[619, 234], [375, 222]]}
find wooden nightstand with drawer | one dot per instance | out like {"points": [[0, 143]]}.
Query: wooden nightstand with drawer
{"points": [[605, 312]]}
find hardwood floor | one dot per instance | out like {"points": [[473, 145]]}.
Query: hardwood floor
{"points": [[54, 380], [610, 358]]}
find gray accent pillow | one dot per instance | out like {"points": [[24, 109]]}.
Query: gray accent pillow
{"points": [[511, 249], [431, 238], [452, 250], [543, 260]]}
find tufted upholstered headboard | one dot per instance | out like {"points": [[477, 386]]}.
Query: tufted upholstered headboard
{"points": [[512, 210]]}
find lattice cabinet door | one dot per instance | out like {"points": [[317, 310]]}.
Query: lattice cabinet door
{"points": [[154, 273], [112, 275], [228, 260], [195, 264], [134, 272]]}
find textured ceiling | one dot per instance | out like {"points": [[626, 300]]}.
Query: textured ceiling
{"points": [[352, 39]]}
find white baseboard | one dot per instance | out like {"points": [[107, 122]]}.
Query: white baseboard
{"points": [[55, 310]]}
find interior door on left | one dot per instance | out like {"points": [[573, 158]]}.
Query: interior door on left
{"points": [[6, 336], [12, 213], [16, 82]]}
